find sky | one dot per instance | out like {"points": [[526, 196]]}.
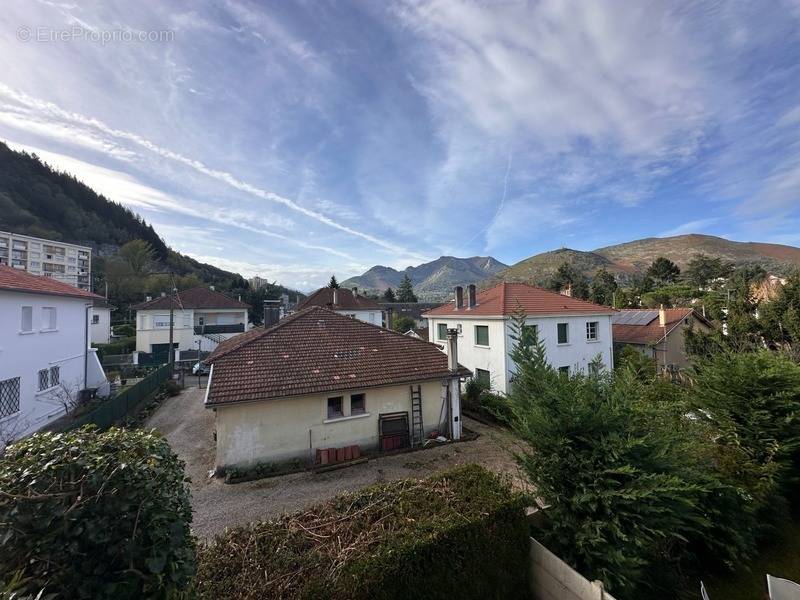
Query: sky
{"points": [[295, 139]]}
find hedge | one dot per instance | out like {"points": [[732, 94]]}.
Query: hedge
{"points": [[96, 515], [462, 534]]}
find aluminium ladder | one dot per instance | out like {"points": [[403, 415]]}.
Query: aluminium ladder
{"points": [[417, 429]]}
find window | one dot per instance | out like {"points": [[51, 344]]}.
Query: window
{"points": [[161, 321], [591, 331], [48, 318], [482, 335], [55, 376], [441, 331], [9, 397], [357, 404], [563, 333], [529, 334], [44, 379], [95, 319], [563, 370], [483, 377], [27, 319], [335, 407]]}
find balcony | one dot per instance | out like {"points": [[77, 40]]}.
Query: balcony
{"points": [[236, 328]]}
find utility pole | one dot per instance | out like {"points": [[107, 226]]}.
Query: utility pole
{"points": [[171, 328]]}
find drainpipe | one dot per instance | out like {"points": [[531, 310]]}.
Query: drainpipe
{"points": [[454, 408], [87, 308]]}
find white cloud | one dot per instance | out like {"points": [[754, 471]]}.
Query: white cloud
{"points": [[696, 226]]}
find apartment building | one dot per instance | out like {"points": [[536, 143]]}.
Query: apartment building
{"points": [[63, 262]]}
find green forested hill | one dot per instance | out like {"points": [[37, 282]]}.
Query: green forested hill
{"points": [[37, 200]]}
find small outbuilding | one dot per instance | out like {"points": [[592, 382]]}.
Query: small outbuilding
{"points": [[319, 380]]}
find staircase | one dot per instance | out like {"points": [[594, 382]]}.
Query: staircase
{"points": [[214, 337], [417, 429]]}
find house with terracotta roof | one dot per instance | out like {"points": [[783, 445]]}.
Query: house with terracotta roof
{"points": [[658, 333], [574, 332], [202, 318], [45, 355], [346, 302], [319, 380]]}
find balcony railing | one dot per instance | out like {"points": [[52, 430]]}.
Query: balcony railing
{"points": [[201, 329]]}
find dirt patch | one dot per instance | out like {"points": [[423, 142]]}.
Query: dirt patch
{"points": [[189, 428]]}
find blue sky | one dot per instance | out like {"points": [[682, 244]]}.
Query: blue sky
{"points": [[296, 139]]}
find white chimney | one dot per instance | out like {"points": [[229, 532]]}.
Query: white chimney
{"points": [[662, 316], [567, 291], [148, 298], [335, 296], [472, 296], [459, 297], [211, 287], [454, 388]]}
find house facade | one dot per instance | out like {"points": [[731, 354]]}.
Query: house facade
{"points": [[69, 263], [658, 334], [101, 321], [320, 380], [574, 332], [202, 318], [45, 359], [347, 303]]}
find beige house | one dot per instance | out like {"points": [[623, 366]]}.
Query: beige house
{"points": [[201, 319], [320, 380], [658, 334]]}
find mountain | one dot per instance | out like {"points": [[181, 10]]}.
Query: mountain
{"points": [[633, 258], [37, 200], [433, 280]]}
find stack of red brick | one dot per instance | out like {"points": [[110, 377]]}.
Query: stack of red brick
{"points": [[332, 456]]}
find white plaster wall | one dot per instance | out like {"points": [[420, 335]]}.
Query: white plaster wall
{"points": [[183, 327], [101, 331], [284, 429], [374, 317], [576, 354], [24, 354]]}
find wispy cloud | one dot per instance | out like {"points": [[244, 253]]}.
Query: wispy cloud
{"points": [[696, 226]]}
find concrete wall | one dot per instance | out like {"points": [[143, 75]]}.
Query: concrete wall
{"points": [[24, 354], [284, 429], [577, 353], [553, 579], [101, 331]]}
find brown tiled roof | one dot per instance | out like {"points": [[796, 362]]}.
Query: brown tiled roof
{"points": [[504, 299], [101, 302], [651, 332], [199, 297], [345, 300], [317, 350], [16, 280]]}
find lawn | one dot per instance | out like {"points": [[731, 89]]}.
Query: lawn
{"points": [[781, 559]]}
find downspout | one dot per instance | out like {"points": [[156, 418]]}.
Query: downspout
{"points": [[87, 307]]}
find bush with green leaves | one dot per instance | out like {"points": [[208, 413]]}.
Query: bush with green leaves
{"points": [[628, 480], [95, 515], [461, 533]]}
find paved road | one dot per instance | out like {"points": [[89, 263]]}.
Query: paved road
{"points": [[189, 428]]}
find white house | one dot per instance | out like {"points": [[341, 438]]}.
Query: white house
{"points": [[574, 332], [347, 303], [101, 321], [201, 318], [320, 381], [45, 359]]}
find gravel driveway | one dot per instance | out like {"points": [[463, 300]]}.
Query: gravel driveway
{"points": [[189, 428]]}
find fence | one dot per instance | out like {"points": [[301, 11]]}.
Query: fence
{"points": [[116, 408], [117, 359], [553, 579]]}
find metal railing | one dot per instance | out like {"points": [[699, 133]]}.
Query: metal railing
{"points": [[203, 329]]}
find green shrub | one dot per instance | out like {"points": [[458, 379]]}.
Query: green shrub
{"points": [[629, 481], [461, 534], [122, 346], [95, 515], [124, 329]]}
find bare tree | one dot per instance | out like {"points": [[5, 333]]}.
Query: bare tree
{"points": [[66, 395], [10, 430]]}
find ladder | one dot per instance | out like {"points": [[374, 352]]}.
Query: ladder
{"points": [[417, 429]]}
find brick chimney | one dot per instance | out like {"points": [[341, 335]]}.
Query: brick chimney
{"points": [[459, 297], [472, 296], [662, 316]]}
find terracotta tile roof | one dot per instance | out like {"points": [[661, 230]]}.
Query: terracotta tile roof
{"points": [[650, 332], [345, 300], [317, 350], [16, 280], [504, 298], [199, 297]]}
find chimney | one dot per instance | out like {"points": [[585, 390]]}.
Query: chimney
{"points": [[211, 287], [355, 291], [454, 386], [335, 296], [148, 298], [472, 296], [163, 294], [452, 350], [662, 316], [567, 291], [389, 317], [459, 297]]}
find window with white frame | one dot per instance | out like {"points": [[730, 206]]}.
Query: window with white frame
{"points": [[591, 331], [160, 321], [9, 397], [441, 331], [335, 408], [49, 322], [481, 335], [563, 333], [26, 321], [95, 319]]}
